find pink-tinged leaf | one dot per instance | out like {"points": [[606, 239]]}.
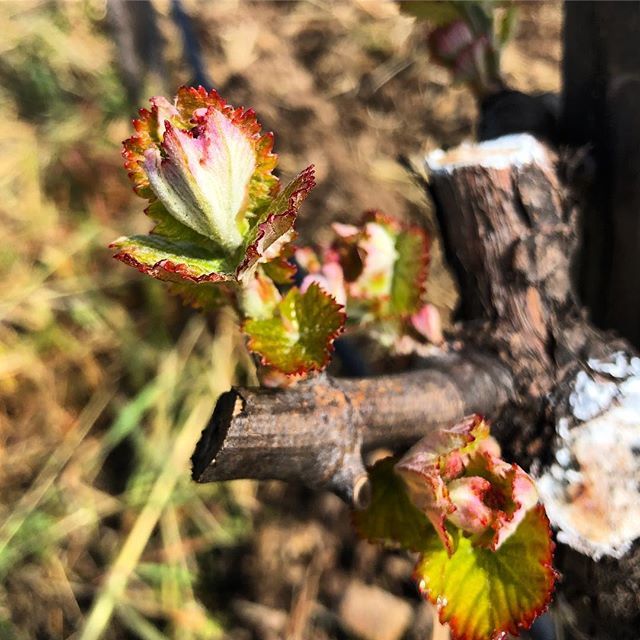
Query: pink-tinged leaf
{"points": [[219, 212], [190, 104], [468, 495], [391, 517], [485, 594], [202, 177], [149, 132], [428, 324], [482, 591], [299, 336], [272, 235], [384, 265], [169, 260], [259, 297], [450, 40], [263, 185], [512, 495], [331, 279], [455, 475], [378, 244], [434, 461]]}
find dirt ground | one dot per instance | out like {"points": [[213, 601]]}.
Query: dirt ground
{"points": [[101, 373]]}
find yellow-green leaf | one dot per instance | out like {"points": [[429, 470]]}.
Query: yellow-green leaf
{"points": [[391, 517], [172, 260], [299, 336], [484, 594]]}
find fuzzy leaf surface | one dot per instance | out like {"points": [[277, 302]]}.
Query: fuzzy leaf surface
{"points": [[298, 337]]}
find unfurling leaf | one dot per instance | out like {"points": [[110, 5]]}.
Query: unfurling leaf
{"points": [[456, 475], [485, 594], [206, 169], [384, 265], [298, 336], [463, 38], [224, 227], [485, 544]]}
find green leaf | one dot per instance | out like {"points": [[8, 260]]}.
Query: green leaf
{"points": [[409, 272], [483, 594], [259, 297], [391, 517], [436, 12], [299, 336], [280, 270], [275, 229], [172, 260], [168, 227], [207, 296]]}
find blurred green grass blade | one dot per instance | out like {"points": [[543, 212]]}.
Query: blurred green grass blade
{"points": [[130, 416]]}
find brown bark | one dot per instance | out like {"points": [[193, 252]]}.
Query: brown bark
{"points": [[520, 351], [511, 234], [316, 432]]}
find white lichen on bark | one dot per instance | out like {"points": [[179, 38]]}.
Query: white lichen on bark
{"points": [[591, 490]]}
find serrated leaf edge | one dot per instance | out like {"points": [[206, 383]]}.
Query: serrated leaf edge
{"points": [[328, 350], [499, 634], [165, 269], [252, 254]]}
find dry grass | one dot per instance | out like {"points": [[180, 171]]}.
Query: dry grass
{"points": [[105, 380]]}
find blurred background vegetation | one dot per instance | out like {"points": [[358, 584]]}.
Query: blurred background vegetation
{"points": [[106, 381]]}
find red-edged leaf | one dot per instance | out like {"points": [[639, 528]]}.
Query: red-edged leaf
{"points": [[206, 168], [169, 260], [275, 231], [299, 336], [433, 462], [511, 496], [384, 265], [202, 177], [149, 131], [189, 103], [263, 184], [485, 594], [409, 272]]}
